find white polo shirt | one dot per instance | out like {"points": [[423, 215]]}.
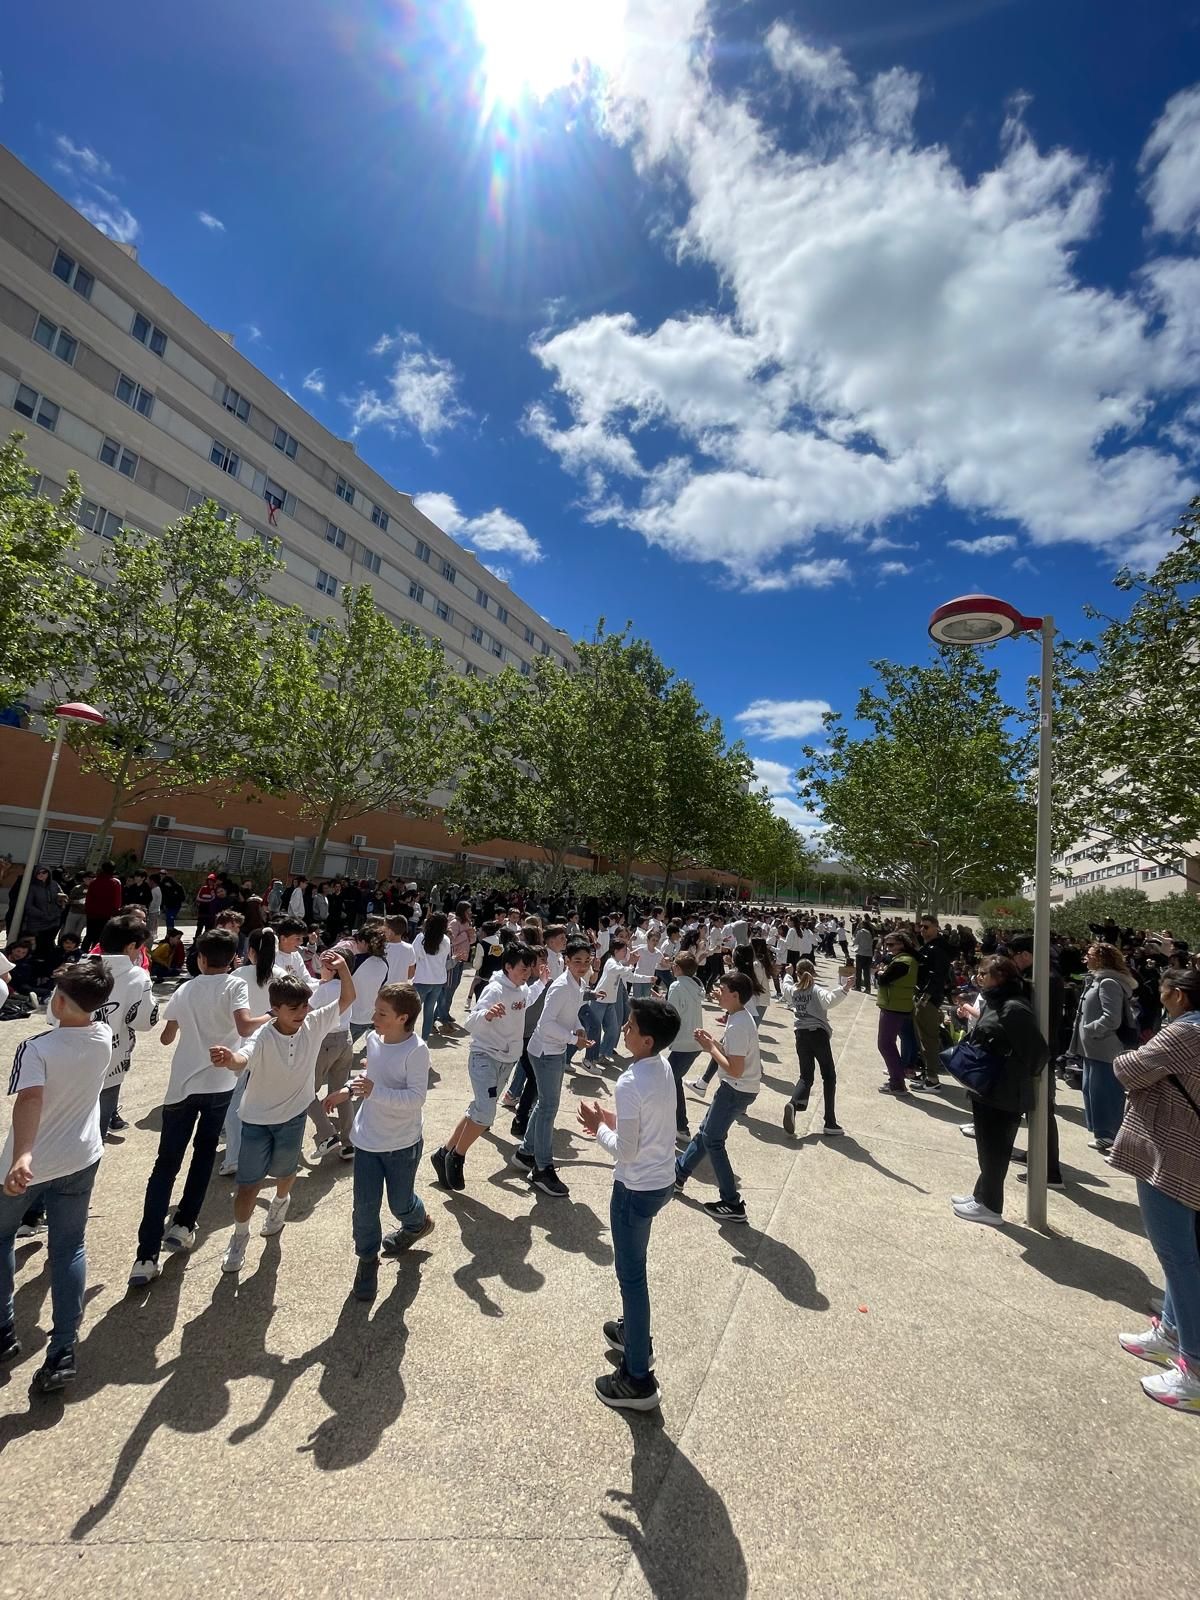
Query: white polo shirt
{"points": [[281, 1068]]}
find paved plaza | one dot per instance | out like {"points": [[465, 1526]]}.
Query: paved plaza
{"points": [[863, 1396]]}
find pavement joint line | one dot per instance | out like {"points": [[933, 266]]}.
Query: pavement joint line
{"points": [[141, 1541]]}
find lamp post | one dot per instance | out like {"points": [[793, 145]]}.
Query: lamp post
{"points": [[969, 621], [73, 711]]}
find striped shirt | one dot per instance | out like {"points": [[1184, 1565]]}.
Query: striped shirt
{"points": [[1159, 1140]]}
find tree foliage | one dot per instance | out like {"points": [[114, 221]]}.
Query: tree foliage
{"points": [[1127, 759], [932, 796], [37, 536]]}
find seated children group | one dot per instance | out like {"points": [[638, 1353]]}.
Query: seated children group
{"points": [[260, 1049]]}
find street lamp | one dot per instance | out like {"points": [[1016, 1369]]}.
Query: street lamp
{"points": [[975, 619], [73, 711]]}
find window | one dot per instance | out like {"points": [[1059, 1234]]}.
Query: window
{"points": [[72, 274], [35, 406], [327, 583], [55, 339], [61, 849], [476, 634], [315, 630], [344, 491], [481, 598], [472, 670], [236, 403], [501, 613], [371, 561], [528, 634], [222, 456], [97, 519], [449, 571], [545, 648], [443, 611], [161, 851], [525, 669], [278, 498], [115, 455], [415, 592], [335, 535], [380, 518], [497, 649], [285, 442], [422, 550], [146, 333], [132, 394]]}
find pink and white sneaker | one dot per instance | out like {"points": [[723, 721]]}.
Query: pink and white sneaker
{"points": [[1177, 1387], [1153, 1345]]}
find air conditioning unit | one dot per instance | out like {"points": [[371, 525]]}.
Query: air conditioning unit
{"points": [[357, 841], [237, 835], [162, 823]]}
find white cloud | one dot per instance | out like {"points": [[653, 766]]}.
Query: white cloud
{"points": [[893, 569], [503, 573], [774, 776], [214, 224], [885, 308], [782, 719], [990, 544], [421, 393], [315, 381], [80, 160], [494, 531], [253, 332], [114, 219], [779, 780], [102, 208], [1171, 165]]}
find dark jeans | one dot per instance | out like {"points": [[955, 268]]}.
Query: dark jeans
{"points": [[109, 1099], [1103, 1099], [862, 973], [680, 1063], [202, 1115], [527, 1096], [995, 1132], [714, 967], [709, 1140], [65, 1202], [814, 1049], [630, 1215], [892, 1028]]}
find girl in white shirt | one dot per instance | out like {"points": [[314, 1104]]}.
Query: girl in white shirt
{"points": [[263, 947], [433, 954], [370, 975], [812, 1004]]}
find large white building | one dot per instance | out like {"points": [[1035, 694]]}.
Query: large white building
{"points": [[1098, 863]]}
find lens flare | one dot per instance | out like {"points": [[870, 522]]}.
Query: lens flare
{"points": [[533, 48]]}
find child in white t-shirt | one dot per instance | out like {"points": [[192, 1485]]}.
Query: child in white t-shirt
{"points": [[282, 1061], [739, 1069], [388, 1129], [52, 1152], [400, 955]]}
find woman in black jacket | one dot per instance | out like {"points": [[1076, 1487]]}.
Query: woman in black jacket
{"points": [[1008, 1030]]}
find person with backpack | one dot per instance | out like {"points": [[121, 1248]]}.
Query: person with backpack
{"points": [[1105, 1025]]}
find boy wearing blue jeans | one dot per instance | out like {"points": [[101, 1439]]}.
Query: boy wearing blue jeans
{"points": [[557, 1033], [388, 1134], [640, 1136], [739, 1070]]}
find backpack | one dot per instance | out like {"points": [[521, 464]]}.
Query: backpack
{"points": [[1129, 1029]]}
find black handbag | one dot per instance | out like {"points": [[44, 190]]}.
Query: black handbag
{"points": [[973, 1066]]}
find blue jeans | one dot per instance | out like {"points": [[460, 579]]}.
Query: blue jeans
{"points": [[1103, 1099], [66, 1201], [630, 1214], [600, 1023], [709, 1140], [375, 1170], [233, 1122], [431, 996], [454, 974], [539, 1136], [640, 989], [1174, 1231]]}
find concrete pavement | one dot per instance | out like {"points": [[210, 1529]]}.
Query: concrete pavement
{"points": [[862, 1395]]}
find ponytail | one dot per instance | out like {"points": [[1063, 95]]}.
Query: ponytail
{"points": [[266, 949]]}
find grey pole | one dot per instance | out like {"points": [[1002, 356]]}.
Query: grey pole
{"points": [[1039, 1117], [39, 828]]}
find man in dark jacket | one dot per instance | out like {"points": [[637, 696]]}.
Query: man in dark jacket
{"points": [[933, 986], [1020, 949]]}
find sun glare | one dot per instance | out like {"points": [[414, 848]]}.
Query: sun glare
{"points": [[533, 47]]}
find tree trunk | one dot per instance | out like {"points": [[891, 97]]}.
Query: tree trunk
{"points": [[98, 849], [668, 874], [317, 853]]}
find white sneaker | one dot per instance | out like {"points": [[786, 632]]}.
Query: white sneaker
{"points": [[696, 1085], [177, 1237], [144, 1272], [1153, 1345], [30, 1230], [234, 1258], [1178, 1388], [971, 1211], [227, 1169], [276, 1215], [325, 1146]]}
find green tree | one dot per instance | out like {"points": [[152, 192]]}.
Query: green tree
{"points": [[185, 654], [37, 539], [376, 721], [1129, 908], [931, 798], [1127, 760]]}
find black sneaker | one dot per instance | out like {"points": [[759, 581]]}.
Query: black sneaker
{"points": [[680, 1181], [366, 1278], [10, 1345], [454, 1170], [623, 1393], [396, 1243], [789, 1120], [547, 1181], [519, 1127], [54, 1374], [726, 1210], [614, 1332], [118, 1123], [520, 1158], [831, 1130], [438, 1162]]}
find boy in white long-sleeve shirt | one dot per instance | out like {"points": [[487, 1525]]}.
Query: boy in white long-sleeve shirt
{"points": [[388, 1134], [496, 1023], [640, 1136], [557, 1032], [811, 1003]]}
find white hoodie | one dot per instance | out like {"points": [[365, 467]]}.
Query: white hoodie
{"points": [[503, 1038], [812, 1007]]}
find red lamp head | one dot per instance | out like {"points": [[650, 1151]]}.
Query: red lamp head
{"points": [[975, 619], [76, 711]]}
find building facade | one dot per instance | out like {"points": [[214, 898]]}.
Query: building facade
{"points": [[1098, 863], [107, 373]]}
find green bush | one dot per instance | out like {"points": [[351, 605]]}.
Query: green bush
{"points": [[1180, 913], [1129, 908], [1008, 912]]}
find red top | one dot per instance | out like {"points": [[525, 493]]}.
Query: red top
{"points": [[103, 898]]}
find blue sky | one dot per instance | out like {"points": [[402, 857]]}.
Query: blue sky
{"points": [[776, 327]]}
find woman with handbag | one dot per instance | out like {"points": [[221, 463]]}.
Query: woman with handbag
{"points": [[1159, 1145], [1007, 1045], [1103, 1017]]}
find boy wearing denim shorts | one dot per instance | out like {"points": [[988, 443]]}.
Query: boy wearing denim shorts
{"points": [[282, 1059], [496, 1023]]}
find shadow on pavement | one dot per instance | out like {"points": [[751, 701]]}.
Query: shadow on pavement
{"points": [[784, 1268], [1102, 1203], [1081, 1266], [854, 1151], [691, 1548], [498, 1247]]}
